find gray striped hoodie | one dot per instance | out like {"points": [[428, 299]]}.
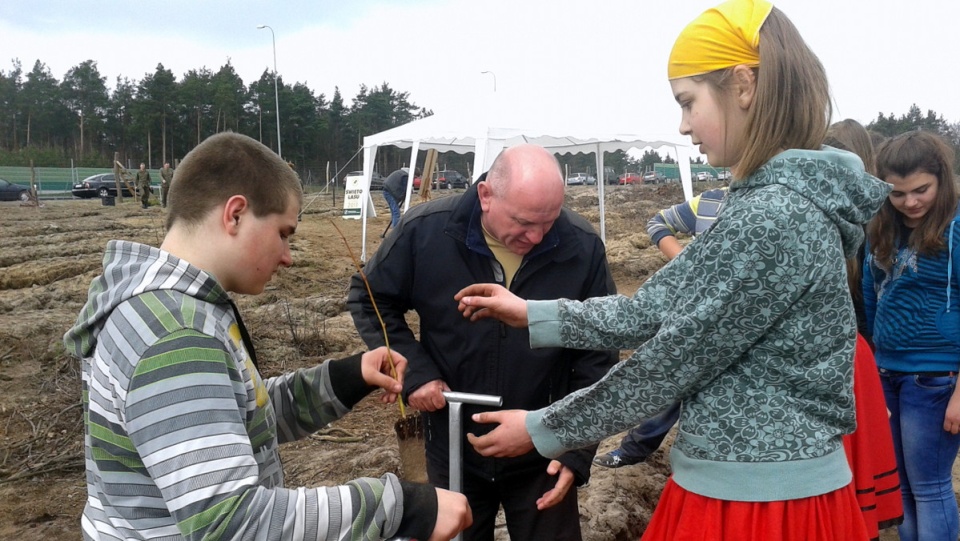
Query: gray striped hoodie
{"points": [[181, 432]]}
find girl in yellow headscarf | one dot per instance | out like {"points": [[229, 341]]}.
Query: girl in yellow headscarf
{"points": [[751, 327]]}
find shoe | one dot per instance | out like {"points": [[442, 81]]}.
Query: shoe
{"points": [[615, 459]]}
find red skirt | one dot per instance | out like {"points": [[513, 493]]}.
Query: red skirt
{"points": [[684, 516], [870, 448]]}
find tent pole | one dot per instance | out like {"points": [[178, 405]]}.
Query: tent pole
{"points": [[603, 222]]}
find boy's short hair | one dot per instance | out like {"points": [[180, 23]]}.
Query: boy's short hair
{"points": [[228, 164]]}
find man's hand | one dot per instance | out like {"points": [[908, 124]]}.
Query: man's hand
{"points": [[479, 301], [508, 439], [453, 515], [377, 371], [559, 491], [429, 397]]}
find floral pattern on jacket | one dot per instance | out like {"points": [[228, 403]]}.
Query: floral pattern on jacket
{"points": [[752, 326]]}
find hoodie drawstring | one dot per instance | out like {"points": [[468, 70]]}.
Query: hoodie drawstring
{"points": [[950, 263]]}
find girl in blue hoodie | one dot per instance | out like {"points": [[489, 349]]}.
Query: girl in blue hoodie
{"points": [[912, 302]]}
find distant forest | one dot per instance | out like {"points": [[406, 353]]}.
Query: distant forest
{"points": [[79, 121]]}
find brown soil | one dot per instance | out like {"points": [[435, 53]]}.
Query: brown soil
{"points": [[49, 255]]}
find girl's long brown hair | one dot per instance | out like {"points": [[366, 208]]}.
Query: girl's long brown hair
{"points": [[792, 107], [903, 155]]}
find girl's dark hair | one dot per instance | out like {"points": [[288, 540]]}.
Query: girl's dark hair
{"points": [[850, 135], [903, 155]]}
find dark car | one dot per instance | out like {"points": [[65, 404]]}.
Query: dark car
{"points": [[13, 192], [376, 181], [102, 185], [609, 175], [449, 179]]}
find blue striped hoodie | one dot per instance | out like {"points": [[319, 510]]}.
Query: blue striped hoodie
{"points": [[913, 308]]}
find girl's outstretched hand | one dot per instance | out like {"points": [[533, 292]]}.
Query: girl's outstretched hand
{"points": [[491, 300], [509, 439]]}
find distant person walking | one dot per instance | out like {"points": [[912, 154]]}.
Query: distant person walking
{"points": [[143, 184], [166, 177], [395, 192]]}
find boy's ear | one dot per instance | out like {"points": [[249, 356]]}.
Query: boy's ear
{"points": [[234, 209], [745, 85]]}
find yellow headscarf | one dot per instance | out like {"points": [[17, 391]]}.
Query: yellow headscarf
{"points": [[721, 37]]}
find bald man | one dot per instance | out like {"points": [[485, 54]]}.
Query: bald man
{"points": [[510, 228]]}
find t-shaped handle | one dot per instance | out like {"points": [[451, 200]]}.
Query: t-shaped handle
{"points": [[454, 401]]}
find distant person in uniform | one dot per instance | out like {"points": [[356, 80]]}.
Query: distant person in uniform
{"points": [[166, 177], [143, 183]]}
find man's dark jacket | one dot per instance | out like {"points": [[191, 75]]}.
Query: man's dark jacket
{"points": [[437, 250], [396, 184]]}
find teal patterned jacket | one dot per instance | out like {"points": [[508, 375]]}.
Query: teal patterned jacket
{"points": [[752, 327]]}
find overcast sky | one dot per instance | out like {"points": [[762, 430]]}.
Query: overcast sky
{"points": [[601, 58]]}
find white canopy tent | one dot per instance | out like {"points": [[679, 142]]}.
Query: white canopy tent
{"points": [[488, 129]]}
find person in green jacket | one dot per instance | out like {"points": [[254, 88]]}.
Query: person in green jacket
{"points": [[166, 177], [143, 184], [182, 432]]}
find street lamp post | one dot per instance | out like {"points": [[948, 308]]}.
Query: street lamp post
{"points": [[276, 90], [494, 78]]}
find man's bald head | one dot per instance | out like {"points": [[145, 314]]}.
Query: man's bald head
{"points": [[526, 163], [521, 197]]}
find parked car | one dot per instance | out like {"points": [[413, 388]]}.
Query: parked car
{"points": [[630, 178], [376, 181], [13, 192], [590, 180], [724, 175], [705, 176], [102, 185], [654, 177], [449, 179], [577, 179], [609, 175]]}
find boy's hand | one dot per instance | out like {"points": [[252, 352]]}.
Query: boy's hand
{"points": [[453, 515], [376, 369], [491, 300]]}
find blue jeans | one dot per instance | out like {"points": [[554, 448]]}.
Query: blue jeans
{"points": [[646, 437], [394, 208], [925, 453]]}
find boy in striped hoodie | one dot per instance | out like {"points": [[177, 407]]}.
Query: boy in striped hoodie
{"points": [[182, 433]]}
